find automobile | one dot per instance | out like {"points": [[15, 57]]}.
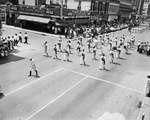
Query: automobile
{"points": [[112, 29]]}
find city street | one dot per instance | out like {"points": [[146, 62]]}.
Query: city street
{"points": [[67, 90]]}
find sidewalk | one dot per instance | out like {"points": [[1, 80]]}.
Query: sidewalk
{"points": [[31, 31], [144, 113]]}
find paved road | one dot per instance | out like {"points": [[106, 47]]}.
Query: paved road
{"points": [[68, 91]]}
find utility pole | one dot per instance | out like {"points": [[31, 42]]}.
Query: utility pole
{"points": [[61, 9], [0, 25], [139, 7]]}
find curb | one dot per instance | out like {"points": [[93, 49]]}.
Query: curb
{"points": [[144, 113], [31, 31]]}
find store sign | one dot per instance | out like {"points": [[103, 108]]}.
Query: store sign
{"points": [[50, 12]]}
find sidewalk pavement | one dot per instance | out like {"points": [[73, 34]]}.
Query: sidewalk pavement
{"points": [[31, 31], [144, 113]]}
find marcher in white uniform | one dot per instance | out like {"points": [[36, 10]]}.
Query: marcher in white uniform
{"points": [[102, 62], [118, 51], [32, 67], [82, 57], [55, 52], [59, 44], [66, 55], [94, 52], [111, 53], [45, 49]]}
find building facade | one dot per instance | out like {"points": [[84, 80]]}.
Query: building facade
{"points": [[137, 5], [113, 9], [124, 11], [146, 4], [46, 18], [99, 11]]}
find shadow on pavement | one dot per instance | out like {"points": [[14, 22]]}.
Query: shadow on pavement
{"points": [[122, 58], [15, 51], [106, 70], [115, 63], [10, 58], [128, 53], [1, 95]]}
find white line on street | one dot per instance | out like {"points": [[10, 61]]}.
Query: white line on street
{"points": [[56, 98], [105, 81], [20, 88]]}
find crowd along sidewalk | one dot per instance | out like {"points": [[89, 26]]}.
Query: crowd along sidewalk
{"points": [[31, 31], [144, 113]]}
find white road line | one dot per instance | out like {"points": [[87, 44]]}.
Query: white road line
{"points": [[105, 81], [55, 99], [20, 88]]}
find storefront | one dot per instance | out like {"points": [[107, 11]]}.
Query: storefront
{"points": [[45, 19]]}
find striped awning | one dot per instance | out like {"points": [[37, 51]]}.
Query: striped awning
{"points": [[34, 18]]}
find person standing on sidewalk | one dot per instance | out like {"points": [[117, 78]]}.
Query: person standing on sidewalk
{"points": [[32, 67]]}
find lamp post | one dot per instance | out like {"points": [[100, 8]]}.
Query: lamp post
{"points": [[75, 13], [139, 7]]}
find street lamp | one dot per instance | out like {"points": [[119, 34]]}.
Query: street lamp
{"points": [[75, 13]]}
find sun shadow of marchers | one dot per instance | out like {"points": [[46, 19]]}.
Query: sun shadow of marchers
{"points": [[128, 53], [122, 58], [57, 59], [106, 70], [115, 63], [86, 65], [95, 59], [1, 95]]}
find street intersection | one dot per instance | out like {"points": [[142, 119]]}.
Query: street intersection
{"points": [[67, 90]]}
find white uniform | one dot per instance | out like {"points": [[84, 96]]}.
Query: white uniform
{"points": [[45, 49], [32, 65], [102, 62]]}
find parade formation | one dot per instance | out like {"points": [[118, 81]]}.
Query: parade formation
{"points": [[94, 44], [74, 60]]}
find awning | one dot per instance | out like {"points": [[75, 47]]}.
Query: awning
{"points": [[33, 18], [61, 24], [112, 17]]}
